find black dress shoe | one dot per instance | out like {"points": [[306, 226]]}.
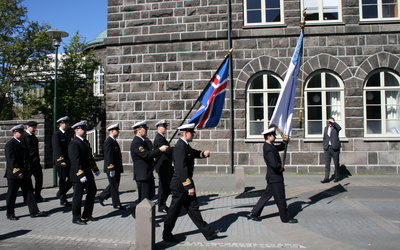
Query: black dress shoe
{"points": [[65, 203], [336, 180], [170, 238], [251, 216], [79, 222], [214, 235], [40, 199], [120, 207], [291, 221], [325, 181], [91, 218], [101, 200], [37, 214], [12, 217], [163, 210]]}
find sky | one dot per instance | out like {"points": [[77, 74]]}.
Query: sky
{"points": [[87, 16]]}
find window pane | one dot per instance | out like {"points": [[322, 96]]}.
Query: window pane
{"points": [[374, 80], [257, 83], [256, 114], [256, 128], [373, 97], [314, 113], [315, 82], [272, 99], [315, 127], [333, 105], [390, 80], [392, 104], [369, 2], [370, 11], [253, 4], [374, 127], [256, 99], [314, 98], [273, 83], [273, 15], [272, 3], [330, 81], [254, 16], [374, 112]]}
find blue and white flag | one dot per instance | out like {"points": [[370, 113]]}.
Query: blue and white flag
{"points": [[282, 117], [212, 99]]}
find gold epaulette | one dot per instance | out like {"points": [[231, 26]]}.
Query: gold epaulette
{"points": [[110, 166], [15, 170], [187, 182], [79, 172], [60, 159]]}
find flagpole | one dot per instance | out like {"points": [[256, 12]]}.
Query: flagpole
{"points": [[286, 139], [201, 95]]}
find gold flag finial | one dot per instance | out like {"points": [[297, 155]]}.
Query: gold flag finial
{"points": [[303, 19], [229, 52]]}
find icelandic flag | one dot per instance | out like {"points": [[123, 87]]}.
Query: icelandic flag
{"points": [[212, 99], [282, 117]]}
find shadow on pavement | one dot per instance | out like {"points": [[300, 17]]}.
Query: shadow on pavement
{"points": [[13, 234]]}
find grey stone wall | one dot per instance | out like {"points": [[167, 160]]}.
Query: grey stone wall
{"points": [[161, 54]]}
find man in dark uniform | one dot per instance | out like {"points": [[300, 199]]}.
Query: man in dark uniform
{"points": [[275, 184], [143, 155], [163, 166], [60, 143], [182, 186], [331, 144], [112, 167], [32, 145], [81, 175], [18, 174]]}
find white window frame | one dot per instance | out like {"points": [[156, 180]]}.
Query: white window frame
{"points": [[265, 92], [98, 85], [380, 13], [382, 89], [263, 17], [321, 12], [325, 116]]}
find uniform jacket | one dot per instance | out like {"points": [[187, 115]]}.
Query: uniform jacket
{"points": [[163, 163], [16, 159], [184, 156], [143, 158], [60, 143], [334, 138], [82, 161], [273, 161], [112, 156], [32, 145]]}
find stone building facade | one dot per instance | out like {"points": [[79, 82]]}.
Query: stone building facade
{"points": [[159, 55]]}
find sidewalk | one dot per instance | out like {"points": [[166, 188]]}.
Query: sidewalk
{"points": [[360, 212]]}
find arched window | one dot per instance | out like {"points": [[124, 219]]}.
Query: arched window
{"points": [[262, 93], [324, 95], [381, 104]]}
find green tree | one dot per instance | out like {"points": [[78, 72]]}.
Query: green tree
{"points": [[74, 84], [24, 64]]}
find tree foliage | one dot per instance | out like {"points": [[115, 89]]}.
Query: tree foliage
{"points": [[74, 84], [24, 47]]}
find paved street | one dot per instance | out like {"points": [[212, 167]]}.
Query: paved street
{"points": [[360, 212]]}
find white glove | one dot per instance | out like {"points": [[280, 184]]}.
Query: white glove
{"points": [[83, 179], [97, 173], [112, 173]]}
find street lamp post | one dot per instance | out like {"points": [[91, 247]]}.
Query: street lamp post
{"points": [[56, 35]]}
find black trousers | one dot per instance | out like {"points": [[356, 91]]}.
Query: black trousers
{"points": [[276, 190], [112, 190], [63, 182], [146, 189], [191, 205], [27, 191], [164, 190], [38, 175], [328, 155], [91, 189]]}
